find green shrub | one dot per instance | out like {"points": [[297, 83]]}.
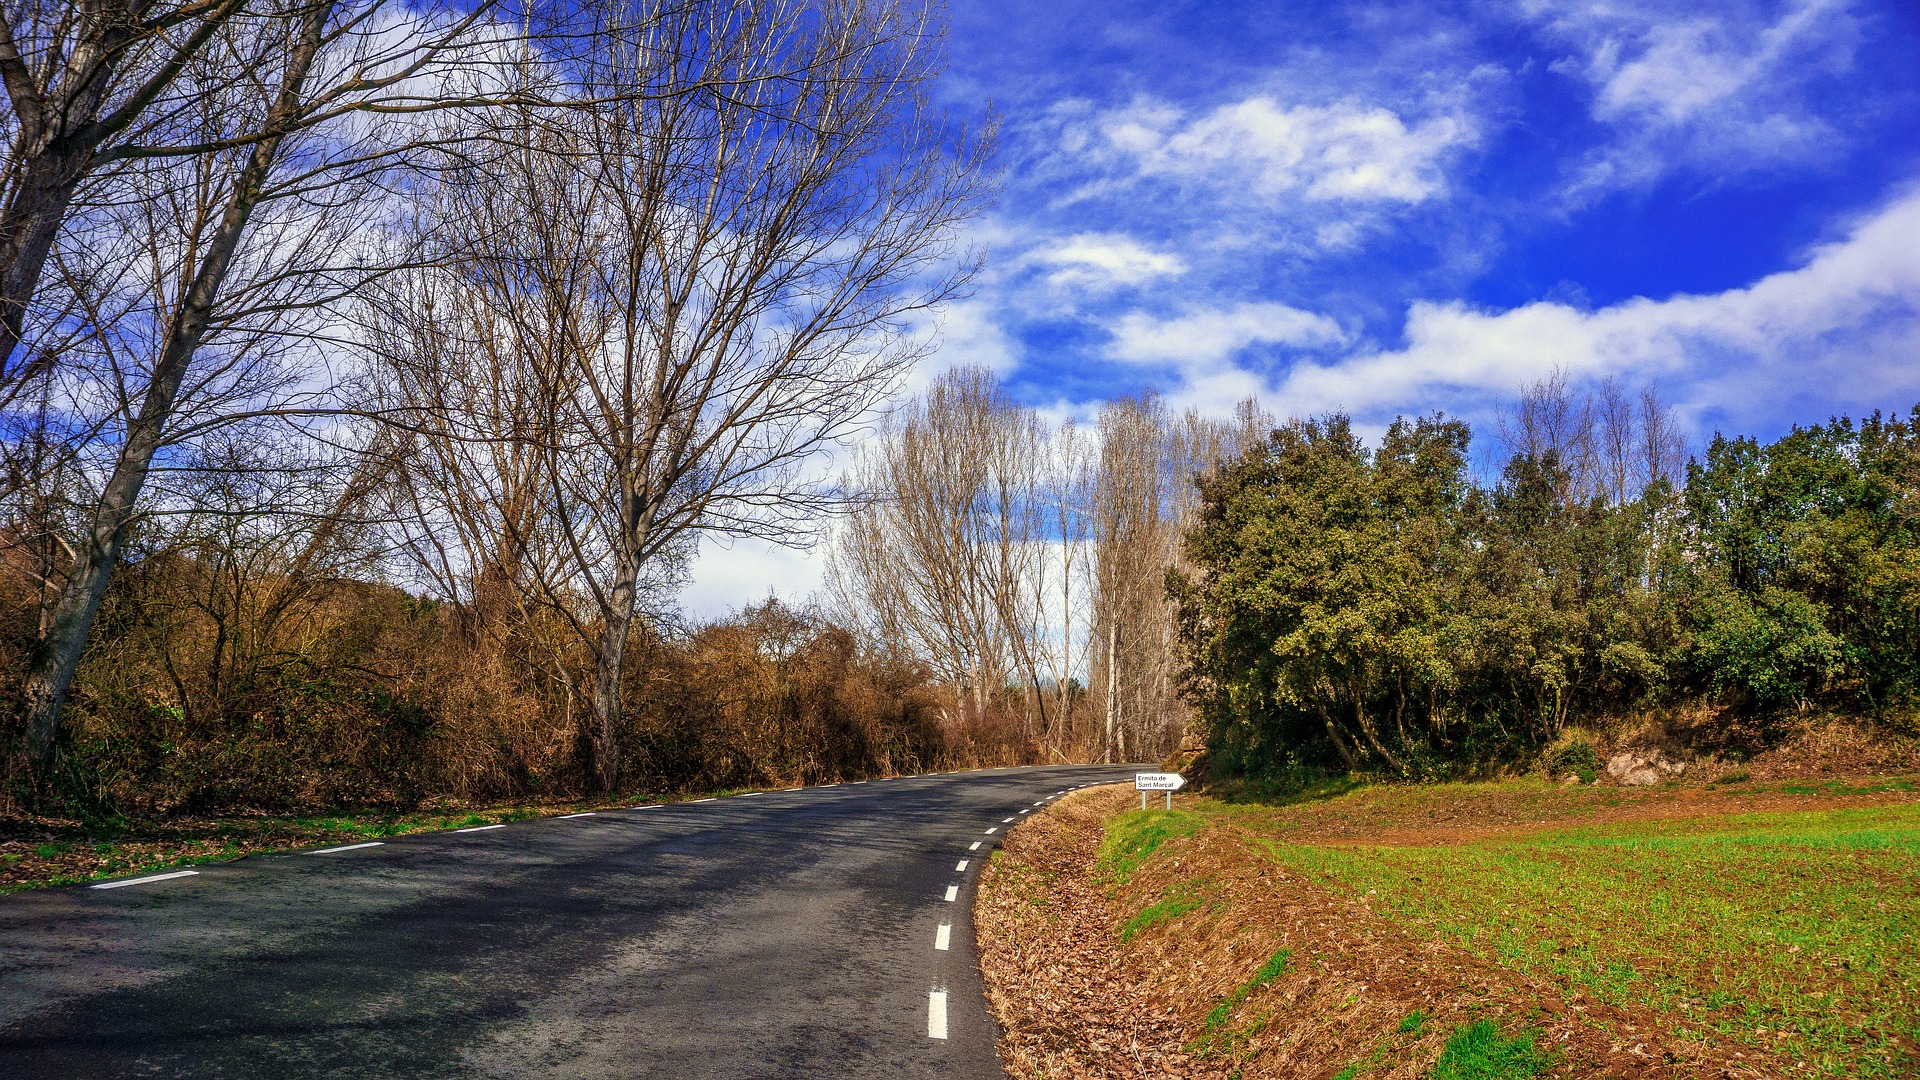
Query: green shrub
{"points": [[1577, 759]]}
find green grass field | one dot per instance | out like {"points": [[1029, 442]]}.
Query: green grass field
{"points": [[1794, 931]]}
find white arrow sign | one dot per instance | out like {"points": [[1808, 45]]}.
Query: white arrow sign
{"points": [[1159, 781]]}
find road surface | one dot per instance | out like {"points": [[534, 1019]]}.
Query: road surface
{"points": [[782, 934]]}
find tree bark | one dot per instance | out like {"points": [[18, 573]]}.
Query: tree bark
{"points": [[604, 734], [1113, 687], [28, 228]]}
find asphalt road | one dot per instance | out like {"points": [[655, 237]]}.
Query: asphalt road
{"points": [[784, 934]]}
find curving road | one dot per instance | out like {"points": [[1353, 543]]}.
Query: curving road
{"points": [[783, 934]]}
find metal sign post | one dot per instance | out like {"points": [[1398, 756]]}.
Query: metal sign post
{"points": [[1168, 782]]}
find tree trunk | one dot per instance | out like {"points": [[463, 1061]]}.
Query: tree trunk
{"points": [[1113, 688], [28, 228], [1367, 730], [603, 736], [57, 657], [1333, 733]]}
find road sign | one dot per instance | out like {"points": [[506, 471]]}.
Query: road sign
{"points": [[1168, 782]]}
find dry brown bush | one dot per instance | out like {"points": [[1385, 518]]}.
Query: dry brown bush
{"points": [[216, 684]]}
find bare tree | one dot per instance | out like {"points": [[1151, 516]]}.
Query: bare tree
{"points": [[228, 246], [1144, 499], [1067, 495], [1549, 418], [1663, 441], [946, 560], [96, 85], [707, 288], [1616, 443]]}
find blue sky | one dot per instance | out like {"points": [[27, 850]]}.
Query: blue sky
{"points": [[1401, 208]]}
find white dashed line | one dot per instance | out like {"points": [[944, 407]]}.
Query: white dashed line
{"points": [[1042, 802], [708, 799], [990, 832], [649, 806], [936, 1014], [953, 893], [962, 868], [190, 873], [942, 936], [481, 828], [857, 783], [347, 847], [975, 846], [1004, 820], [746, 795], [1028, 810], [564, 817]]}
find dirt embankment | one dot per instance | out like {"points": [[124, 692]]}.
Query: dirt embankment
{"points": [[1355, 995]]}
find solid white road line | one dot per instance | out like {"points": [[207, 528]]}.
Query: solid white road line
{"points": [[190, 873], [346, 847], [936, 1014], [481, 828], [942, 936], [564, 817], [962, 868], [975, 846], [953, 893]]}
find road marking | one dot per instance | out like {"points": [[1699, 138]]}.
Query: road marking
{"points": [[1004, 820], [481, 828], [708, 799], [936, 1014], [990, 832], [857, 783], [1042, 802], [1028, 810], [746, 795], [564, 817], [975, 846], [953, 893], [190, 873], [962, 868], [649, 806], [348, 847], [941, 936]]}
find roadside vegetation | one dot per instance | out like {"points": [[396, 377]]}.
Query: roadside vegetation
{"points": [[1379, 610], [1503, 928]]}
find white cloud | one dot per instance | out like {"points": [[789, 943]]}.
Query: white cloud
{"points": [[1320, 153], [968, 333], [723, 579], [1840, 331], [1207, 337], [1102, 260], [1731, 90]]}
